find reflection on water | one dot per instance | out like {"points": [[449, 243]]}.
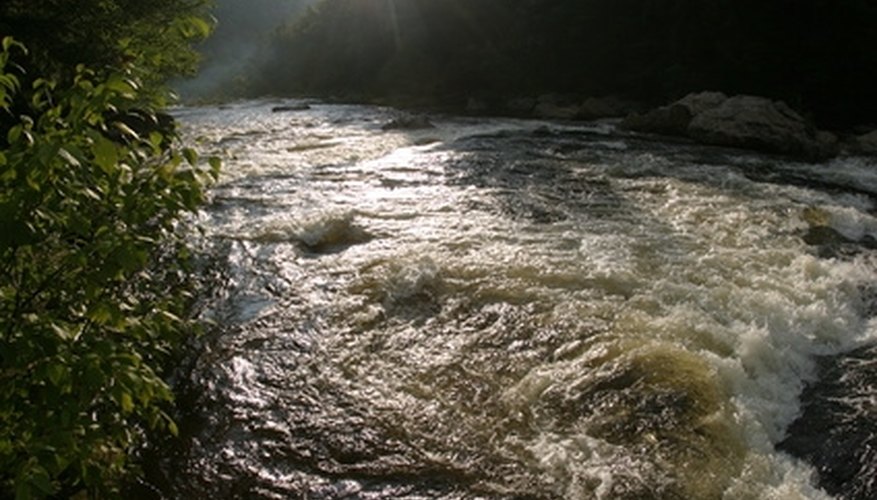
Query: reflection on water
{"points": [[511, 309]]}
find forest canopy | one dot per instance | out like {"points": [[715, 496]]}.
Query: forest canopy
{"points": [[814, 54]]}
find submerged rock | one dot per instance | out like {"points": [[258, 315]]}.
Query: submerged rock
{"points": [[828, 242], [743, 121], [837, 429]]}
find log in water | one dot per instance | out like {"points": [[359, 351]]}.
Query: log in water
{"points": [[494, 308]]}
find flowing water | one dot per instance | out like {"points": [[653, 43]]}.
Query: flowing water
{"points": [[495, 308]]}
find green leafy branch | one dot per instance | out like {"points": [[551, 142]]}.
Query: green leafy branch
{"points": [[92, 275]]}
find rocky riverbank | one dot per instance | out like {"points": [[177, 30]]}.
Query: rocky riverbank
{"points": [[748, 122], [713, 118]]}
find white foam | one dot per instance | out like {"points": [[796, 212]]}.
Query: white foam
{"points": [[315, 230], [699, 260], [598, 464], [409, 280], [851, 221]]}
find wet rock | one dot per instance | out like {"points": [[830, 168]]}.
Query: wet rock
{"points": [[520, 105], [700, 102], [291, 107], [410, 122], [837, 429], [828, 143], [570, 107], [675, 118], [593, 108], [757, 123], [865, 144], [667, 120], [475, 105], [825, 236], [558, 99], [555, 111], [747, 122], [830, 243], [556, 107]]}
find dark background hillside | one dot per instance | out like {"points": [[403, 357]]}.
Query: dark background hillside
{"points": [[817, 55]]}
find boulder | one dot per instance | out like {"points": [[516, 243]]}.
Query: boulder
{"points": [[865, 143], [829, 144], [758, 123], [558, 99], [521, 105], [594, 108], [666, 120], [699, 102], [675, 118], [553, 111], [475, 105], [747, 122]]}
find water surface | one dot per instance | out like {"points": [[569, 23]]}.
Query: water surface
{"points": [[496, 308]]}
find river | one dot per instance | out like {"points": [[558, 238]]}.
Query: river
{"points": [[500, 308]]}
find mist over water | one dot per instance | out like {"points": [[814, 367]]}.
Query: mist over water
{"points": [[496, 308], [243, 29]]}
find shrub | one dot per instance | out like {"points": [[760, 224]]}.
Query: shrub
{"points": [[92, 264]]}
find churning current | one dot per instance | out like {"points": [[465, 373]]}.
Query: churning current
{"points": [[498, 308]]}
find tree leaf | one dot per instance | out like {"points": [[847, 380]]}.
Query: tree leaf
{"points": [[126, 130], [191, 156], [69, 158], [126, 402], [106, 154]]}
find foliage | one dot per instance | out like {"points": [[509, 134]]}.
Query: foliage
{"points": [[91, 268], [153, 38], [813, 53]]}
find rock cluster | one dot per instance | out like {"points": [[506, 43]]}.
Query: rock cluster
{"points": [[864, 144], [743, 121], [836, 431], [560, 107], [555, 107]]}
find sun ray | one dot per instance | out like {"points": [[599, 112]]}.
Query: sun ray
{"points": [[394, 21]]}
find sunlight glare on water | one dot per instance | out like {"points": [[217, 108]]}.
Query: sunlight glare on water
{"points": [[496, 308]]}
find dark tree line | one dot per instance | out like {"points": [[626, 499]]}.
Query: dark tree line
{"points": [[105, 35], [817, 55]]}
